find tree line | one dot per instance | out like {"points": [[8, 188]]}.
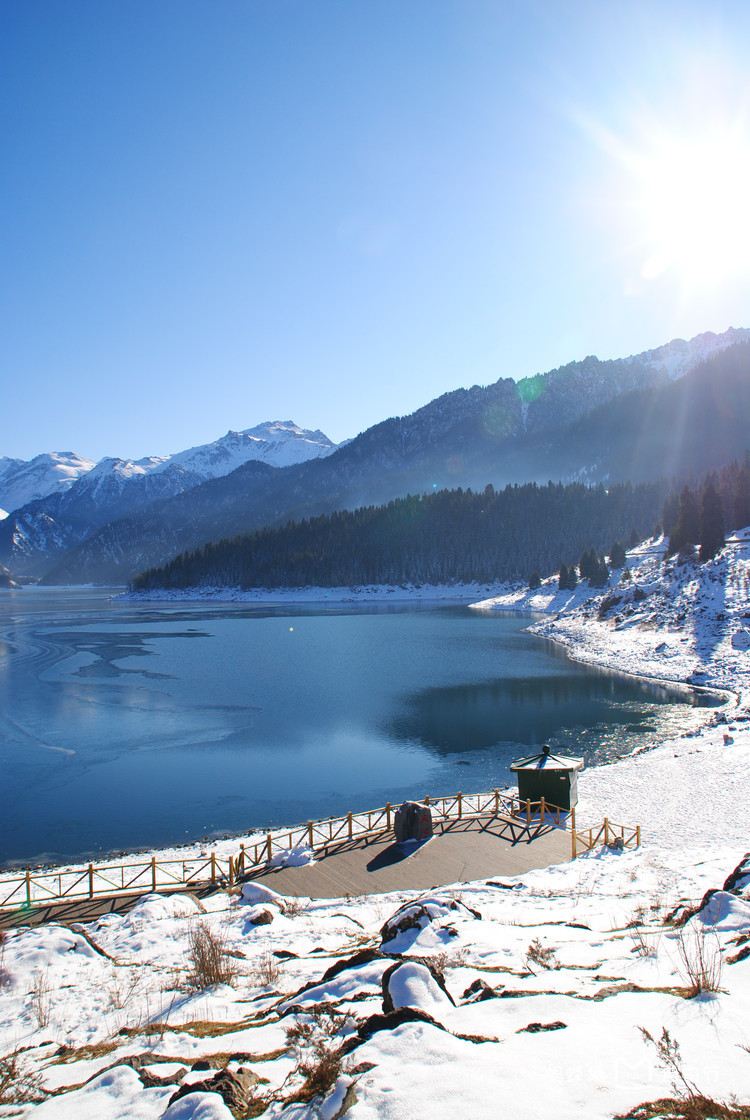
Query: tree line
{"points": [[448, 536], [699, 515], [694, 517]]}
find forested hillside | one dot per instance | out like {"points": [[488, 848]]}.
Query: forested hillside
{"points": [[448, 536]]}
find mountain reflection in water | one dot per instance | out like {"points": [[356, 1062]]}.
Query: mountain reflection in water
{"points": [[529, 711]]}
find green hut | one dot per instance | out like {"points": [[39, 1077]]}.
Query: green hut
{"points": [[553, 777]]}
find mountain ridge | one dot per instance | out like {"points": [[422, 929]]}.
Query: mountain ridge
{"points": [[504, 432]]}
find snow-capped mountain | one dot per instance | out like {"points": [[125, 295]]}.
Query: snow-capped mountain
{"points": [[279, 443], [55, 472], [74, 506]]}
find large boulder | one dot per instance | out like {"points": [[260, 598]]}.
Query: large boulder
{"points": [[413, 821], [420, 913], [414, 984]]}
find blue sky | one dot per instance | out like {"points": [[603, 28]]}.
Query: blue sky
{"points": [[218, 212]]}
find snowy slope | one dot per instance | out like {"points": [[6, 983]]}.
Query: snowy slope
{"points": [[678, 621], [531, 992]]}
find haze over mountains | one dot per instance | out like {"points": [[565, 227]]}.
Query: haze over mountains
{"points": [[681, 408]]}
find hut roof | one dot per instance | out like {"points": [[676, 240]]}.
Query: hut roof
{"points": [[545, 760]]}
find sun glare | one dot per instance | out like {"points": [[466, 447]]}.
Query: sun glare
{"points": [[693, 197]]}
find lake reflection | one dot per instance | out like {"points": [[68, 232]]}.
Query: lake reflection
{"points": [[531, 711], [126, 725]]}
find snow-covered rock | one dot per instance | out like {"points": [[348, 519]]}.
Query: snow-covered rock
{"points": [[255, 893], [298, 856], [155, 907], [412, 984], [724, 911]]}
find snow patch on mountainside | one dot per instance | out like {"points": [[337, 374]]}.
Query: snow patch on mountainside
{"points": [[676, 358]]}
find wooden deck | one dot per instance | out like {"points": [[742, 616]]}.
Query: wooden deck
{"points": [[460, 851]]}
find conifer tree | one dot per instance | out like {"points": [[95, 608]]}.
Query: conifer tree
{"points": [[741, 494], [687, 531], [711, 522], [600, 572], [617, 557]]}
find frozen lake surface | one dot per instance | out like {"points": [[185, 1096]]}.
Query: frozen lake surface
{"points": [[149, 724]]}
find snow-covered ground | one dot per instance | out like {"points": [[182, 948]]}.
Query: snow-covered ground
{"points": [[679, 621], [527, 997]]}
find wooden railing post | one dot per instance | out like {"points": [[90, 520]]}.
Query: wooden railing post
{"points": [[269, 845], [28, 888], [153, 874], [310, 833], [541, 811], [528, 812], [606, 832], [497, 802], [573, 852], [231, 871], [458, 799], [388, 816], [637, 836], [349, 824], [427, 800], [91, 880], [241, 860], [213, 869]]}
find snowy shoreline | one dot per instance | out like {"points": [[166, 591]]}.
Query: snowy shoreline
{"points": [[593, 951], [364, 593], [621, 789]]}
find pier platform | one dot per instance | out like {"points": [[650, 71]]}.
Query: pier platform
{"points": [[459, 851]]}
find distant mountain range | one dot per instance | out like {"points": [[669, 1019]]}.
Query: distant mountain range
{"points": [[57, 499], [280, 443], [680, 408]]}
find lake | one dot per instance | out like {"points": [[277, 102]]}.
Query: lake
{"points": [[127, 725]]}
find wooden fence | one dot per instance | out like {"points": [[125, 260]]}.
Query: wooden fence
{"points": [[47, 887]]}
